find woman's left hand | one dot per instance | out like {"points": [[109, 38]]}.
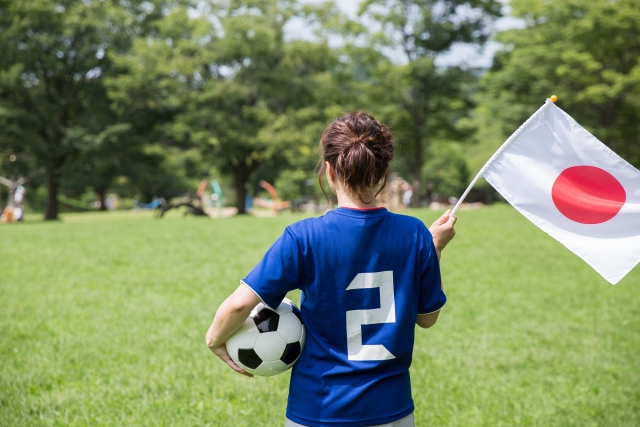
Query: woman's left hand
{"points": [[223, 354], [442, 231]]}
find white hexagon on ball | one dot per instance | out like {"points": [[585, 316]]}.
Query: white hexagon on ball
{"points": [[269, 346], [268, 369], [289, 328], [246, 335], [285, 306]]}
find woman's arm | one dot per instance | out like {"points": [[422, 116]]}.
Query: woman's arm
{"points": [[442, 231], [229, 317], [427, 320]]}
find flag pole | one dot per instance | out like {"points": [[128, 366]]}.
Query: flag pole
{"points": [[504, 146]]}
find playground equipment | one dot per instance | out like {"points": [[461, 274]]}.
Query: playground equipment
{"points": [[192, 208], [202, 205], [216, 197], [274, 203], [154, 204], [210, 202]]}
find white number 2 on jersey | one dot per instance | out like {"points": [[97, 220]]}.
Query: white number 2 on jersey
{"points": [[382, 280]]}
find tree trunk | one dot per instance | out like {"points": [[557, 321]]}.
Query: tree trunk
{"points": [[241, 176], [53, 184], [240, 179], [242, 172], [101, 199]]}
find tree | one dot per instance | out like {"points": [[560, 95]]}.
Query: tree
{"points": [[424, 102], [55, 56], [587, 52], [228, 84], [268, 105]]}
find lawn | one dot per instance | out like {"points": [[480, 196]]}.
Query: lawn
{"points": [[103, 316]]}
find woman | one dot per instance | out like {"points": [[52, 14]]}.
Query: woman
{"points": [[367, 277]]}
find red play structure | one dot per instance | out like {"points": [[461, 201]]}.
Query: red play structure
{"points": [[273, 203]]}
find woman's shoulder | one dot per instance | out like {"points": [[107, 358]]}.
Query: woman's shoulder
{"points": [[307, 225], [409, 221], [313, 225]]}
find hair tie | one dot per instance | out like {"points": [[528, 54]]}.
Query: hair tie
{"points": [[359, 139]]}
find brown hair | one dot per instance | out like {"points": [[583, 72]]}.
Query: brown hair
{"points": [[359, 149]]}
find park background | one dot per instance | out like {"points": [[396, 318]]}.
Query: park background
{"points": [[103, 314]]}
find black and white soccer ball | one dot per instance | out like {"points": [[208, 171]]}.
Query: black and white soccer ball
{"points": [[269, 342]]}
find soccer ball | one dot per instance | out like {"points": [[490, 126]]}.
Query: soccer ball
{"points": [[268, 342]]}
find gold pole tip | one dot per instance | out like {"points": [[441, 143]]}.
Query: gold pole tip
{"points": [[553, 98]]}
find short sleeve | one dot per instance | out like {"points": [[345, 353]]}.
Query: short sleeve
{"points": [[279, 271], [432, 297]]}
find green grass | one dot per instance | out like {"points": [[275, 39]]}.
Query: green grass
{"points": [[103, 315]]}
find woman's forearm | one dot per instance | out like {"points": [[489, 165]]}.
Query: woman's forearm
{"points": [[231, 315]]}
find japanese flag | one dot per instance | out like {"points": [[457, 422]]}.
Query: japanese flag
{"points": [[573, 187]]}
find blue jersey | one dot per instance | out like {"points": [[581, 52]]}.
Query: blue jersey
{"points": [[365, 275]]}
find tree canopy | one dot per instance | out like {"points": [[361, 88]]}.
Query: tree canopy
{"points": [[148, 97], [55, 56]]}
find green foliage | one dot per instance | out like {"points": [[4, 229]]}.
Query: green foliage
{"points": [[425, 28], [96, 168], [55, 56], [422, 102], [103, 316], [167, 172], [446, 170], [297, 184], [587, 53], [231, 88]]}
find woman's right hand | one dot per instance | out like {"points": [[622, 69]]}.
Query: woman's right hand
{"points": [[222, 353], [442, 231]]}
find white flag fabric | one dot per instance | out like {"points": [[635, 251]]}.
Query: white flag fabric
{"points": [[574, 188]]}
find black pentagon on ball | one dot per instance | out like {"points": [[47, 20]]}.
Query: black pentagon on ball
{"points": [[266, 320], [249, 358], [295, 311], [291, 353]]}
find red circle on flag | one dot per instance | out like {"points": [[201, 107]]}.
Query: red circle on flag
{"points": [[588, 195]]}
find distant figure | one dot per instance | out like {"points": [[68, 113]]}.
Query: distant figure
{"points": [[19, 195], [15, 210], [111, 202], [406, 196], [18, 203]]}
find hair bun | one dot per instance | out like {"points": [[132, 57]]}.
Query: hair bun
{"points": [[359, 149], [361, 139]]}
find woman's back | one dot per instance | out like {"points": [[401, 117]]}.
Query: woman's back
{"points": [[365, 275]]}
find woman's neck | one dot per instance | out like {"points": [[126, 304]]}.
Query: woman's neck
{"points": [[347, 200]]}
